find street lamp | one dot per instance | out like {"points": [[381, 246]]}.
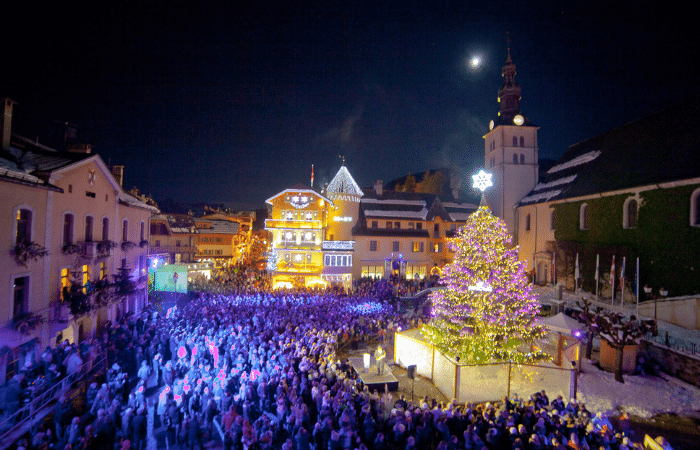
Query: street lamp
{"points": [[647, 291], [663, 293]]}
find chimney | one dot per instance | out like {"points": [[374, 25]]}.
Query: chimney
{"points": [[75, 147], [118, 173], [379, 187], [7, 124]]}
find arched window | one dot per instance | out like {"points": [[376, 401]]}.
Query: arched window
{"points": [[23, 225], [515, 141], [88, 228], [695, 208], [125, 230], [515, 158], [552, 223], [105, 229], [522, 158], [522, 141], [527, 222], [629, 213], [583, 217], [68, 224]]}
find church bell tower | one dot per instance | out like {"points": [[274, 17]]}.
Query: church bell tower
{"points": [[511, 151]]}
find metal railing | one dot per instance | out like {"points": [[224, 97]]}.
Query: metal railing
{"points": [[674, 343], [47, 395]]}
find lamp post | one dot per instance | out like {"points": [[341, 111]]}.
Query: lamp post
{"points": [[647, 291], [663, 293]]}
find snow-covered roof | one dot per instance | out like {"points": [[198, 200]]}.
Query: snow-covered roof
{"points": [[661, 148]]}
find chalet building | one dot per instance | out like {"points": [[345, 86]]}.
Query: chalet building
{"points": [[173, 238], [345, 233]]}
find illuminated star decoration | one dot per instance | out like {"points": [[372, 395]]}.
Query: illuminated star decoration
{"points": [[482, 180]]}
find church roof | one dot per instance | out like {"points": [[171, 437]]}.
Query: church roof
{"points": [[344, 183], [661, 148]]}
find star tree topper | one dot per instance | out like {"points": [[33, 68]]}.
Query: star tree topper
{"points": [[482, 180]]}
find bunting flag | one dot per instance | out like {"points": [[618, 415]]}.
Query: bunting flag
{"points": [[612, 277]]}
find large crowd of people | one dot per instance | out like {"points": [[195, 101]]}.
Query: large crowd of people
{"points": [[259, 369]]}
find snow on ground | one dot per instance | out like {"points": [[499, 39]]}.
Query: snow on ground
{"points": [[640, 395]]}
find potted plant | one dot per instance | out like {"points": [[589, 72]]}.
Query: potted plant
{"points": [[27, 250], [104, 248], [70, 249], [127, 245], [26, 322], [143, 243]]}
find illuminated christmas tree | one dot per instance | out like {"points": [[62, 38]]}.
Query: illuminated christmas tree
{"points": [[487, 311]]}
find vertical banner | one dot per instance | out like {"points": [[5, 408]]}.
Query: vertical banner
{"points": [[612, 280], [597, 274], [636, 283], [622, 281]]}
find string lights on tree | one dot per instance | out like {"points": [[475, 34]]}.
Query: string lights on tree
{"points": [[487, 311]]}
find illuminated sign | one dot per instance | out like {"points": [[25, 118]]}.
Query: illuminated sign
{"points": [[342, 219]]}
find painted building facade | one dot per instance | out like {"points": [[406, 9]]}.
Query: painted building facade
{"points": [[68, 222]]}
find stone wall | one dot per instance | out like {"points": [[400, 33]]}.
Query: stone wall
{"points": [[680, 365]]}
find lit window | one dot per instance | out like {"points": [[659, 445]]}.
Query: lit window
{"points": [[24, 226]]}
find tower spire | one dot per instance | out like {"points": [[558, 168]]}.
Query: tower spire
{"points": [[509, 92]]}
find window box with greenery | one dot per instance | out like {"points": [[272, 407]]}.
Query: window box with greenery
{"points": [[26, 251], [143, 243], [104, 248], [127, 246], [70, 249], [27, 322]]}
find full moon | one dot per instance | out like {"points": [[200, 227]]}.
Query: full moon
{"points": [[474, 62]]}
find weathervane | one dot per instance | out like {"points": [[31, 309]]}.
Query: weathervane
{"points": [[342, 157]]}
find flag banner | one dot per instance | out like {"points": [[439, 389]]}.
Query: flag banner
{"points": [[612, 278], [597, 268], [622, 280]]}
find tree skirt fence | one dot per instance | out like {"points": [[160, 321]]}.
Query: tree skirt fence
{"points": [[478, 383]]}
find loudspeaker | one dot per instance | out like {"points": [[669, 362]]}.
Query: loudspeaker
{"points": [[412, 371]]}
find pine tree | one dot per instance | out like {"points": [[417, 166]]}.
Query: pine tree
{"points": [[487, 311]]}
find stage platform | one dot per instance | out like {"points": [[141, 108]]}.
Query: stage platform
{"points": [[371, 379]]}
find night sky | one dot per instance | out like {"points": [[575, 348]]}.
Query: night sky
{"points": [[233, 102]]}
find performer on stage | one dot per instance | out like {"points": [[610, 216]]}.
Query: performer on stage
{"points": [[379, 356]]}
